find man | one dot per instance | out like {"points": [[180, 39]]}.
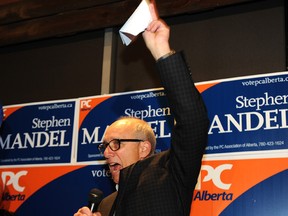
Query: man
{"points": [[161, 184]]}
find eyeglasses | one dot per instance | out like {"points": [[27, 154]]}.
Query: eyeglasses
{"points": [[114, 144]]}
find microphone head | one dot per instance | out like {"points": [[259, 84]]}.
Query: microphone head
{"points": [[94, 199], [95, 195]]}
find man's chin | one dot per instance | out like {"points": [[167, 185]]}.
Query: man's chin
{"points": [[115, 178]]}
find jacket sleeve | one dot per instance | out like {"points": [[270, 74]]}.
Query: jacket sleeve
{"points": [[189, 135]]}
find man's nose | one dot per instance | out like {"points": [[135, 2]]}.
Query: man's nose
{"points": [[108, 152]]}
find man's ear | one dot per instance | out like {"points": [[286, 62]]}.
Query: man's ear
{"points": [[144, 149]]}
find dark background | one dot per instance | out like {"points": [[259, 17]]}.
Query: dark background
{"points": [[231, 41]]}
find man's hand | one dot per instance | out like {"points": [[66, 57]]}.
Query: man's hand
{"points": [[85, 211], [156, 36]]}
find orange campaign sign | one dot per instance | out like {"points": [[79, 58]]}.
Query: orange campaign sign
{"points": [[21, 183], [221, 182], [87, 104]]}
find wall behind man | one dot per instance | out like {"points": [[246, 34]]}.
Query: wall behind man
{"points": [[234, 41], [59, 68], [226, 42]]}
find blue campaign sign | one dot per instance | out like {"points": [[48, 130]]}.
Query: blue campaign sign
{"points": [[248, 114], [37, 133], [97, 113], [65, 193]]}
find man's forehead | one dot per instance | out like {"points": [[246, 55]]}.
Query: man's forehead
{"points": [[123, 123], [119, 127]]}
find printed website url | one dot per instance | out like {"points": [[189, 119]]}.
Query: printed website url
{"points": [[148, 95], [265, 81], [55, 106]]}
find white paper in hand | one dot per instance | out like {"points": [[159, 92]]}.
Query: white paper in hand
{"points": [[136, 23]]}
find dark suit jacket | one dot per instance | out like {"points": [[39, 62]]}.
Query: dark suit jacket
{"points": [[163, 184], [106, 205]]}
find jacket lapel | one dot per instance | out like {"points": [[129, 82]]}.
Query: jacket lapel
{"points": [[124, 187]]}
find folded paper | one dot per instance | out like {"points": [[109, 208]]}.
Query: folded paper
{"points": [[136, 23]]}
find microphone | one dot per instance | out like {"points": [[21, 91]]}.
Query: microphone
{"points": [[94, 199]]}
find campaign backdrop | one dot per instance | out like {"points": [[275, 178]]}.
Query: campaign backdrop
{"points": [[38, 133], [50, 159], [248, 114], [97, 113], [246, 159]]}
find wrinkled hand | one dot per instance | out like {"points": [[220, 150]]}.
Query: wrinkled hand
{"points": [[156, 36], [85, 211]]}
